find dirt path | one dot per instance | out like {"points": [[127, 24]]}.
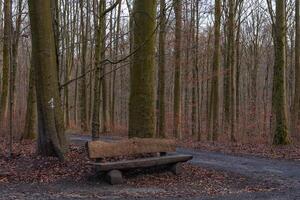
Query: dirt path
{"points": [[286, 174], [282, 172]]}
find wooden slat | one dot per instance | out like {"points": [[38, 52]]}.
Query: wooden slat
{"points": [[141, 163], [100, 149]]}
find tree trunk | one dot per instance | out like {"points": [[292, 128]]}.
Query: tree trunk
{"points": [[161, 72], [82, 98], [117, 35], [296, 106], [231, 67], [15, 47], [6, 58], [51, 139], [141, 102], [30, 131], [214, 95], [177, 80], [103, 77], [281, 132], [194, 26], [97, 82]]}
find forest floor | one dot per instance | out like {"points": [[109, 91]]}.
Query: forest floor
{"points": [[210, 175]]}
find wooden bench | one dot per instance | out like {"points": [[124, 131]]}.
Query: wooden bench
{"points": [[162, 151]]}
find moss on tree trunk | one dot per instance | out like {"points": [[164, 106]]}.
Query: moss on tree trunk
{"points": [[214, 94], [279, 108], [51, 135], [141, 103], [30, 121]]}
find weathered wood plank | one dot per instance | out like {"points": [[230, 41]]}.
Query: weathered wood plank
{"points": [[100, 149], [142, 163]]}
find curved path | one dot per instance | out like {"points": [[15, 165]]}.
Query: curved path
{"points": [[282, 172], [285, 173]]}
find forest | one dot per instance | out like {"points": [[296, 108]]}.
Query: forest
{"points": [[221, 78]]}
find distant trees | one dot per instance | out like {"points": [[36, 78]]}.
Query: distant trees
{"points": [[141, 100], [228, 89]]}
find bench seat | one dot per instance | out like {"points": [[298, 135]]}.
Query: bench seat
{"points": [[166, 149], [141, 163]]}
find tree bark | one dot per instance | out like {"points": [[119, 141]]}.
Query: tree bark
{"points": [[51, 138], [281, 132], [97, 82], [82, 99], [141, 101], [30, 131], [296, 106], [214, 95], [6, 58], [177, 79], [161, 72]]}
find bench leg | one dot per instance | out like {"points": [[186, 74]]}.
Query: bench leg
{"points": [[114, 177], [176, 168]]}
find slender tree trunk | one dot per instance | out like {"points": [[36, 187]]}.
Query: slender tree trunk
{"points": [[15, 47], [103, 78], [296, 106], [214, 95], [177, 80], [161, 72], [238, 71], [238, 55], [97, 81], [82, 99], [141, 101], [231, 67], [6, 58], [194, 36], [117, 35]]}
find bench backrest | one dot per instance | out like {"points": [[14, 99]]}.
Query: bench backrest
{"points": [[100, 149]]}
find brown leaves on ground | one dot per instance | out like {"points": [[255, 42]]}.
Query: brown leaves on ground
{"points": [[196, 181], [289, 152], [27, 167]]}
